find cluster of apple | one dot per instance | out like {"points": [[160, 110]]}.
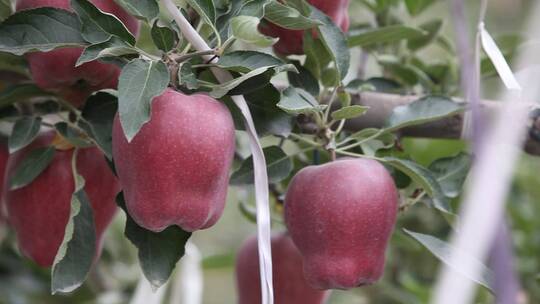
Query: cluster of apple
{"points": [[339, 215]]}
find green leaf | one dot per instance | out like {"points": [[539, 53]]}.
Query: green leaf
{"points": [[5, 9], [278, 163], [164, 37], [139, 82], [244, 28], [41, 29], [443, 251], [205, 9], [12, 63], [246, 61], [24, 131], [387, 34], [19, 93], [98, 26], [158, 252], [113, 47], [99, 111], [78, 249], [317, 55], [268, 118], [424, 178], [288, 17], [451, 173], [349, 112], [304, 80], [334, 40], [432, 28], [72, 135], [421, 111], [147, 9], [415, 7], [222, 89], [187, 77], [31, 167], [248, 212], [297, 101]]}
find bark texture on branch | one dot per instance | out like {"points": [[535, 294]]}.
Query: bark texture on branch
{"points": [[382, 104]]}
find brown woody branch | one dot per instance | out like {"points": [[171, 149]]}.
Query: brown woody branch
{"points": [[382, 104]]}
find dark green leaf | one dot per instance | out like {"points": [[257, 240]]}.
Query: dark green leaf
{"points": [[99, 27], [451, 173], [99, 111], [33, 164], [297, 101], [278, 163], [13, 63], [164, 38], [78, 249], [304, 80], [424, 178], [421, 111], [222, 89], [246, 61], [139, 82], [158, 251], [113, 47], [269, 119], [41, 29], [334, 40], [24, 131], [443, 251]]}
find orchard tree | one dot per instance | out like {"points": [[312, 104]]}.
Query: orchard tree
{"points": [[149, 106]]}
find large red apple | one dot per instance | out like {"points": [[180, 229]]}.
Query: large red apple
{"points": [[290, 287], [55, 71], [340, 216], [39, 212], [175, 171], [291, 41]]}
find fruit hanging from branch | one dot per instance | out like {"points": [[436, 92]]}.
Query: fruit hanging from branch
{"points": [[291, 41], [175, 171], [55, 70], [340, 216], [290, 286], [39, 211]]}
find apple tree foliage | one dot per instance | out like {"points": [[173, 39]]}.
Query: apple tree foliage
{"points": [[304, 101]]}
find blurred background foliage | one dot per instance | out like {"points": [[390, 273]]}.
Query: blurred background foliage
{"points": [[410, 269]]}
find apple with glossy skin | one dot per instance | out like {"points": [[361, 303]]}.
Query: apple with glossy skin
{"points": [[340, 215], [290, 286], [291, 41], [55, 71], [175, 171], [39, 211]]}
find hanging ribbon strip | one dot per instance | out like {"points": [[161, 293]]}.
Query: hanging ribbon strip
{"points": [[259, 163]]}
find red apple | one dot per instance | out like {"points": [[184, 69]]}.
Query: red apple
{"points": [[291, 41], [39, 212], [175, 171], [290, 287], [55, 71], [340, 216]]}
